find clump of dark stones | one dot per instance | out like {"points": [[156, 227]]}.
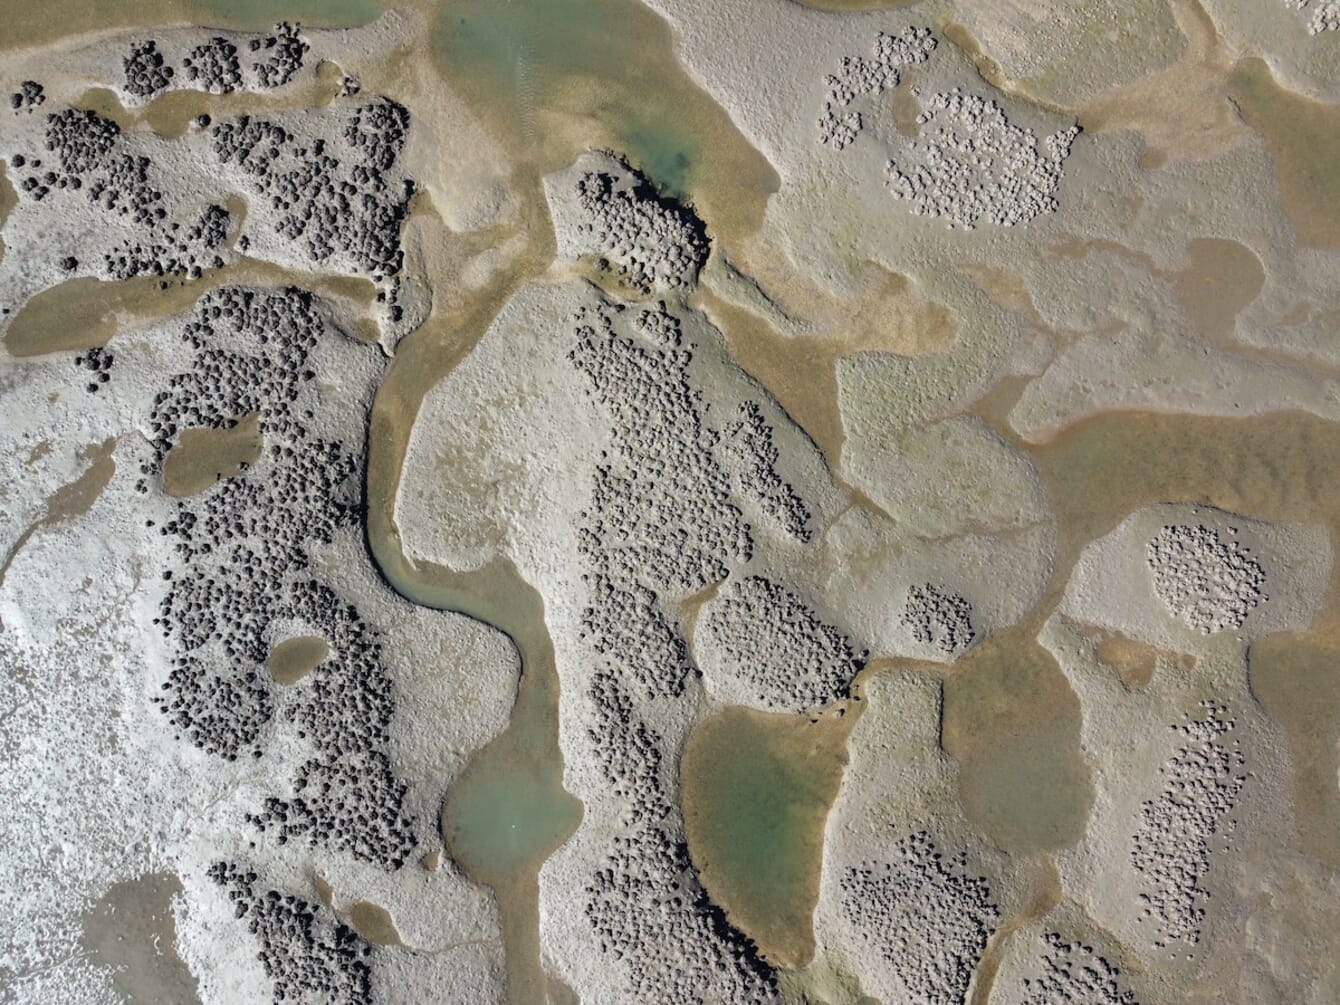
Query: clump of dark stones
{"points": [[929, 917], [182, 251], [243, 561], [81, 140], [646, 905], [280, 55], [147, 72], [327, 205], [1074, 974], [650, 913], [660, 522], [1191, 818], [651, 241], [308, 956], [939, 617], [772, 641], [214, 66], [27, 97], [646, 534], [85, 146], [98, 362], [378, 130], [750, 445]]}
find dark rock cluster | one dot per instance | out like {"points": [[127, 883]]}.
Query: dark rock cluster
{"points": [[81, 141], [90, 155], [174, 250], [646, 906], [660, 523], [939, 617], [928, 917], [27, 97], [98, 362], [353, 207], [214, 66], [655, 242], [662, 507], [1174, 843], [243, 561], [1074, 974], [862, 77], [651, 914], [340, 195], [775, 643], [147, 72], [749, 444], [308, 956], [279, 55]]}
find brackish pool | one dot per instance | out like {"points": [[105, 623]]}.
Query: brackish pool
{"points": [[756, 793], [568, 74]]}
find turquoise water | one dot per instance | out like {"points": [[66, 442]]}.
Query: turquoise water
{"points": [[756, 794], [611, 60], [665, 155], [501, 818]]}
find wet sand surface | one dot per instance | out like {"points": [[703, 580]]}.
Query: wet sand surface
{"points": [[374, 923], [371, 921], [756, 790], [202, 456], [1012, 723], [8, 198], [1304, 140], [800, 369], [1181, 112], [131, 931], [293, 659], [72, 499], [38, 24], [494, 795], [1297, 678], [1283, 467], [83, 313], [542, 69], [508, 810]]}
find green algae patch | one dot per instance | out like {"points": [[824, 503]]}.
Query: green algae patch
{"points": [[1304, 141], [756, 792], [1012, 722], [501, 817]]}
